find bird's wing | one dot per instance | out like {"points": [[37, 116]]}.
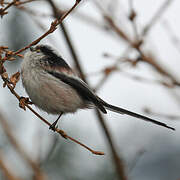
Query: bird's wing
{"points": [[81, 87]]}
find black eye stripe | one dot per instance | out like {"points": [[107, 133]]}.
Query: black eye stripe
{"points": [[52, 58], [46, 50]]}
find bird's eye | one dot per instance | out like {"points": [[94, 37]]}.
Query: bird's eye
{"points": [[31, 49]]}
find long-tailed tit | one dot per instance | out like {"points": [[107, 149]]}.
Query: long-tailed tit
{"points": [[55, 88]]}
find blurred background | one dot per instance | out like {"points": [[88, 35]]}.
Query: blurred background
{"points": [[128, 52]]}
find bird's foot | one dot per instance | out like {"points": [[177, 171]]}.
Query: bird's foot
{"points": [[53, 126]]}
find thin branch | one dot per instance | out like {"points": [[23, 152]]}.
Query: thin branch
{"points": [[156, 17], [18, 2], [149, 59], [24, 103], [138, 155], [171, 35], [132, 18], [109, 70], [5, 170], [117, 160], [145, 58], [106, 76], [52, 28], [33, 12], [3, 10], [63, 134], [38, 172]]}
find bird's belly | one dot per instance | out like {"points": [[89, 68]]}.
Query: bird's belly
{"points": [[52, 95]]}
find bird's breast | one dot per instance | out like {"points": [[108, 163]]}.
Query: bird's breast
{"points": [[49, 93]]}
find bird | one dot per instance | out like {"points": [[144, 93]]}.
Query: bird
{"points": [[55, 88]]}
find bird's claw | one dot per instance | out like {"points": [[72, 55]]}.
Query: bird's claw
{"points": [[53, 126]]}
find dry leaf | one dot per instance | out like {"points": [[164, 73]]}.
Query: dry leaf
{"points": [[22, 102], [15, 78], [108, 70]]}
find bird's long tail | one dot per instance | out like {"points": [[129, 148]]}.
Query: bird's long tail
{"points": [[130, 113]]}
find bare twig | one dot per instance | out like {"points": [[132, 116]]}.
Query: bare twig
{"points": [[132, 18], [138, 155], [3, 10], [156, 17], [149, 59], [5, 170], [171, 35], [38, 172], [118, 161], [67, 38], [133, 44], [52, 28], [106, 76], [33, 12], [145, 58], [63, 134], [24, 103]]}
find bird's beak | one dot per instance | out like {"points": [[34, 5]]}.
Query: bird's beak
{"points": [[32, 49]]}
